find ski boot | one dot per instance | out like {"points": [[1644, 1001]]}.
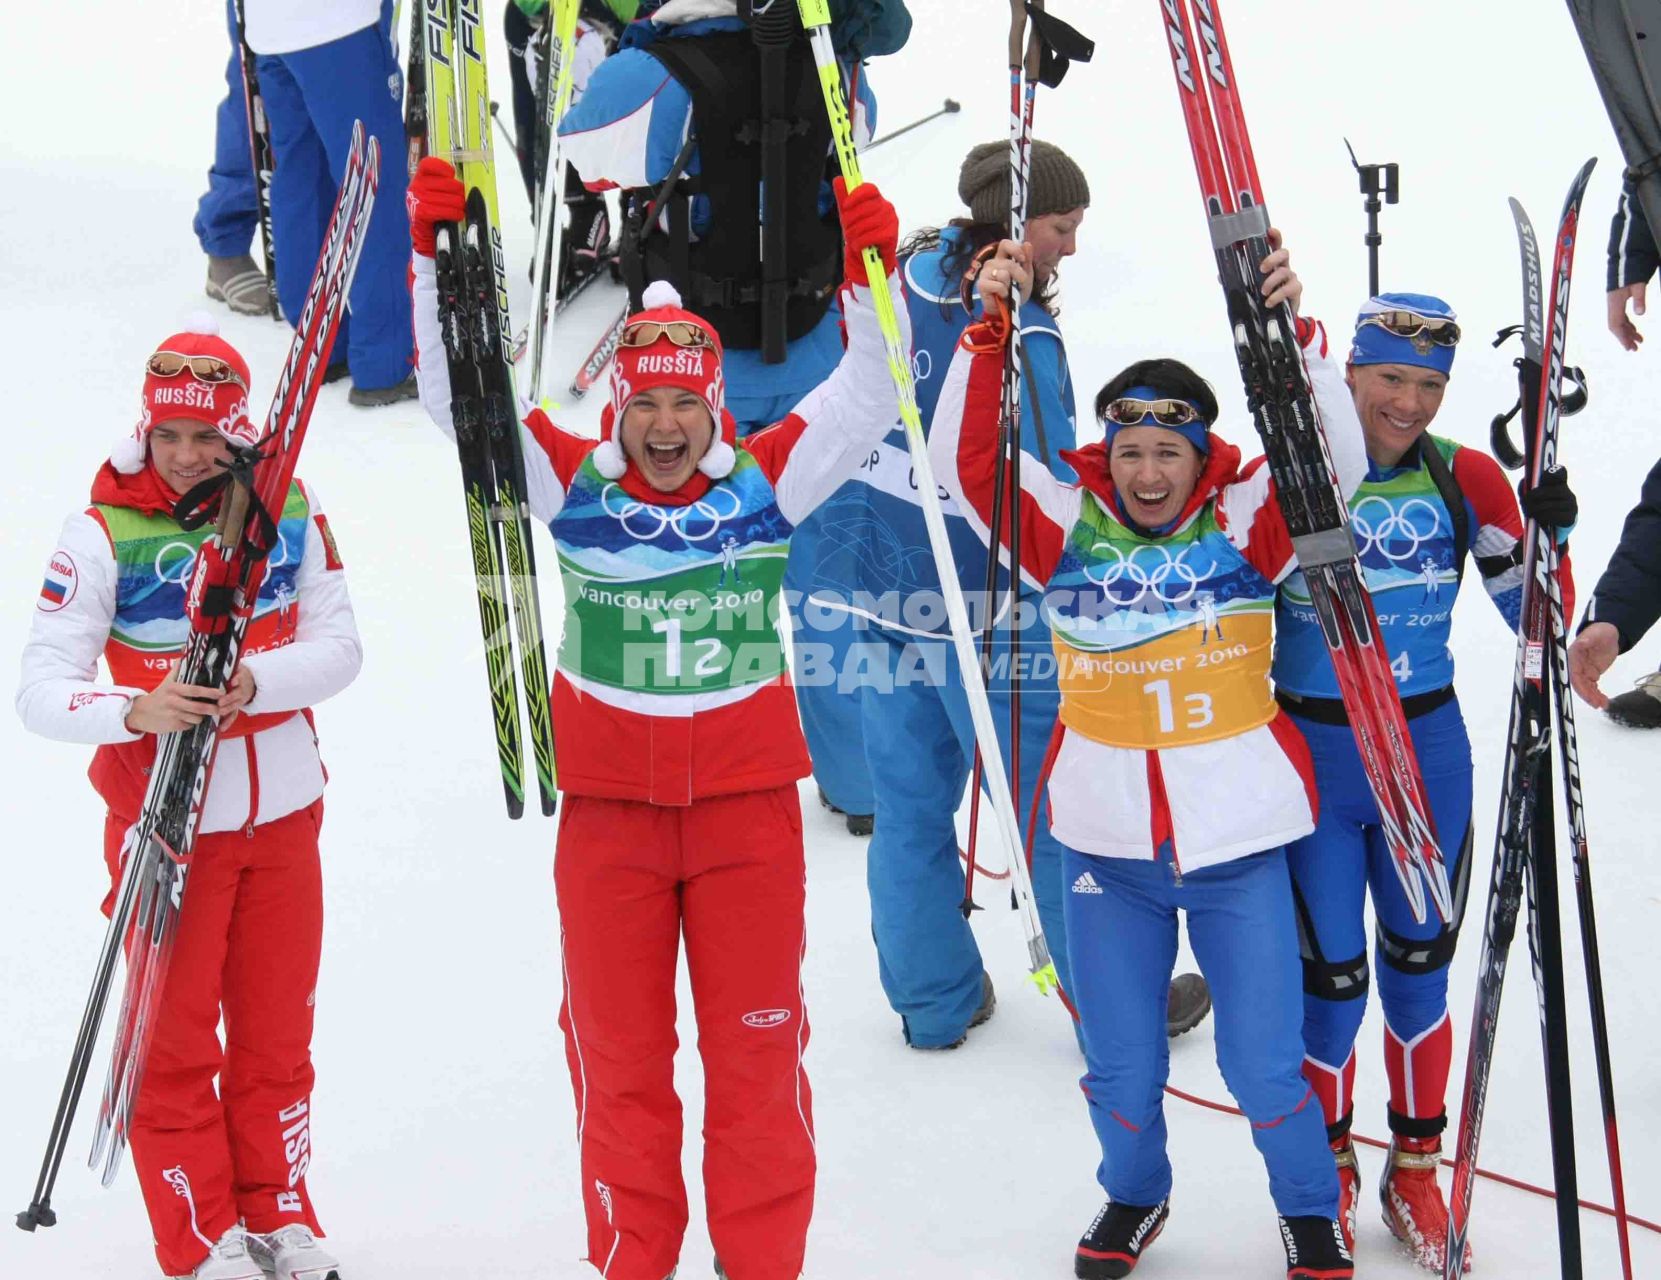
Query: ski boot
{"points": [[1114, 1244], [983, 1011], [292, 1253], [859, 824], [227, 1260], [239, 284], [1189, 1002], [1640, 706], [1412, 1201], [377, 397], [1315, 1249], [1349, 1186]]}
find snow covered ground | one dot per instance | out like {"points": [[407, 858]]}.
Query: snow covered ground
{"points": [[444, 1123]]}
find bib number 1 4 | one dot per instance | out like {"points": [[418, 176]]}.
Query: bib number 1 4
{"points": [[1196, 707]]}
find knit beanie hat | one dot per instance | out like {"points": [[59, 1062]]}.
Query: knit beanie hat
{"points": [[223, 405], [1055, 183], [663, 364]]}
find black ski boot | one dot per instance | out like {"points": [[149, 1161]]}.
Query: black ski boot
{"points": [[859, 824], [1189, 1002], [1640, 706], [1315, 1249], [1114, 1244]]}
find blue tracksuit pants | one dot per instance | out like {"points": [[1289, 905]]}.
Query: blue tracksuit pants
{"points": [[1122, 939], [228, 211], [920, 744], [1333, 869], [312, 96]]}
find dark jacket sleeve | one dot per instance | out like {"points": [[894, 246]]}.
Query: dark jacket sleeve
{"points": [[1629, 593], [1633, 257]]}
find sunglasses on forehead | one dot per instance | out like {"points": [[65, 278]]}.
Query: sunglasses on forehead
{"points": [[1410, 324], [682, 333], [1129, 412], [209, 369]]}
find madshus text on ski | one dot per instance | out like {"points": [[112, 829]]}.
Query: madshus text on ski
{"points": [[1172, 682]]}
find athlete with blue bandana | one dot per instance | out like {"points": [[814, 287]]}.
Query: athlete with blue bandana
{"points": [[1174, 779], [1427, 504]]}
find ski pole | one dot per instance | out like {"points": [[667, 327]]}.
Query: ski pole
{"points": [[949, 107], [1376, 180], [507, 137], [816, 19]]}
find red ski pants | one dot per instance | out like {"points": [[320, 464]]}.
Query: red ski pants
{"points": [[632, 879], [247, 946]]}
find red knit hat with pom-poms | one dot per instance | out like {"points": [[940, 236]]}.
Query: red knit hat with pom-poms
{"points": [[663, 364], [222, 405]]}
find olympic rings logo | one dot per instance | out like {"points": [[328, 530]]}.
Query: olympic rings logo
{"points": [[180, 572], [696, 522], [1171, 578], [1398, 527]]}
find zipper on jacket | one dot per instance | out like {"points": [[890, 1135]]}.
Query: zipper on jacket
{"points": [[1161, 805], [253, 786]]}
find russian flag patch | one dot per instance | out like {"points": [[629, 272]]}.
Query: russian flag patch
{"points": [[61, 580]]}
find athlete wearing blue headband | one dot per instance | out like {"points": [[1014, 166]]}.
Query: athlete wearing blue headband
{"points": [[1425, 505]]}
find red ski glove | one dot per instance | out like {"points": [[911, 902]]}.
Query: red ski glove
{"points": [[435, 195], [868, 220]]}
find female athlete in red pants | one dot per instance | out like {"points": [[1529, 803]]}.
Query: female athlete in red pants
{"points": [[679, 753], [223, 1176]]}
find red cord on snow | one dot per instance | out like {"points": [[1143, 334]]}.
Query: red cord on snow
{"points": [[1504, 1179]]}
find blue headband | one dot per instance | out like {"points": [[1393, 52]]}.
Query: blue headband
{"points": [[1196, 433], [1374, 344]]}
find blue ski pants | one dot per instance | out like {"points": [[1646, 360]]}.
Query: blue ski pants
{"points": [[228, 211], [920, 745], [312, 97], [1334, 868], [1122, 939]]}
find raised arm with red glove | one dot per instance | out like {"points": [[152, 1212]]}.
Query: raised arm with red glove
{"points": [[867, 220], [435, 195]]}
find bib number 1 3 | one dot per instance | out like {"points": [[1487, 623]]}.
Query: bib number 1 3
{"points": [[1196, 707]]}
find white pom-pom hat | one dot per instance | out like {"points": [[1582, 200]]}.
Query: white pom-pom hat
{"points": [[663, 364], [222, 405]]}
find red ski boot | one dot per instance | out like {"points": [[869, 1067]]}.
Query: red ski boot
{"points": [[1412, 1200], [1349, 1187]]}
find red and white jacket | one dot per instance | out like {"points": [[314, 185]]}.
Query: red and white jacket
{"points": [[257, 776], [635, 744], [1220, 798]]}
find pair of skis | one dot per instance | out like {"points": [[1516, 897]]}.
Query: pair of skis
{"points": [[1284, 412], [230, 567], [1525, 851], [474, 320]]}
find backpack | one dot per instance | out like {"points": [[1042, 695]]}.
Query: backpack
{"points": [[759, 111]]}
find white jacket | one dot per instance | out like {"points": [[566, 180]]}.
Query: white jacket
{"points": [[256, 779]]}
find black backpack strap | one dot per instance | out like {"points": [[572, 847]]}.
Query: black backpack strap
{"points": [[1453, 498]]}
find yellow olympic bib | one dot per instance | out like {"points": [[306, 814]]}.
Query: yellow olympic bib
{"points": [[1199, 683]]}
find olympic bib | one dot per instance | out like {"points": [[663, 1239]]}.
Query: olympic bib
{"points": [[1159, 643], [1404, 538], [672, 599], [154, 561]]}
